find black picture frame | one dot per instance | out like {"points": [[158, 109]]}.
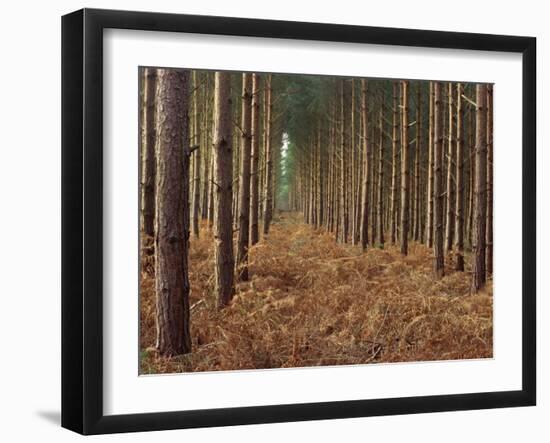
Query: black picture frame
{"points": [[82, 215]]}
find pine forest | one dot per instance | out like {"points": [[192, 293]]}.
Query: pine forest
{"points": [[297, 220]]}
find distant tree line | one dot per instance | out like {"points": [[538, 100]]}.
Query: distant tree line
{"points": [[398, 160]]}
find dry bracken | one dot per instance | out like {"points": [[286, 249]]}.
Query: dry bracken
{"points": [[313, 302]]}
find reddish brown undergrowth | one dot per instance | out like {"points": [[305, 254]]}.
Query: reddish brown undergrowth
{"points": [[312, 302]]}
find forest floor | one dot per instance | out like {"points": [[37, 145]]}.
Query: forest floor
{"points": [[313, 302]]}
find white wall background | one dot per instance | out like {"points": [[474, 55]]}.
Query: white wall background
{"points": [[30, 219]]}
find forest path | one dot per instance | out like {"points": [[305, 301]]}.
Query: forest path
{"points": [[311, 301]]}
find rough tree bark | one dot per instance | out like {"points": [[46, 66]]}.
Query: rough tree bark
{"points": [[223, 192], [196, 158], [459, 207], [417, 150], [395, 155], [364, 236], [343, 173], [480, 190], [206, 143], [244, 182], [438, 262], [148, 166], [353, 227], [374, 186], [450, 185], [254, 159], [489, 227], [404, 222], [268, 192], [429, 197], [380, 202], [172, 213], [471, 155]]}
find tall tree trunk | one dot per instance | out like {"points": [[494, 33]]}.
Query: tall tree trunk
{"points": [[236, 143], [148, 139], [196, 158], [223, 196], [429, 197], [268, 199], [211, 192], [380, 202], [489, 236], [319, 178], [480, 200], [255, 155], [343, 172], [207, 144], [364, 235], [416, 201], [311, 173], [471, 146], [459, 210], [172, 214], [353, 166], [374, 186], [395, 156], [244, 183], [404, 222], [439, 264], [450, 187]]}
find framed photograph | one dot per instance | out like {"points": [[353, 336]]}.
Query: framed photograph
{"points": [[269, 221]]}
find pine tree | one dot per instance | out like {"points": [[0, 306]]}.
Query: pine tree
{"points": [[254, 160], [450, 200], [223, 194], [404, 220], [268, 191], [395, 156], [439, 264], [380, 198], [172, 213], [148, 140], [489, 227], [244, 182], [365, 181], [459, 207], [196, 158], [480, 190], [430, 193]]}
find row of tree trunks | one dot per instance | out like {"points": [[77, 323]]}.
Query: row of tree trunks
{"points": [[346, 174], [187, 173], [342, 177]]}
